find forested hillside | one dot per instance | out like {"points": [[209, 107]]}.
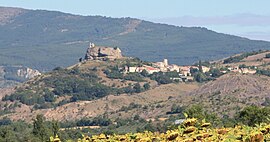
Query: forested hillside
{"points": [[46, 39]]}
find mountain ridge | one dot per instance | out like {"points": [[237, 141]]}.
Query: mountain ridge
{"points": [[43, 40]]}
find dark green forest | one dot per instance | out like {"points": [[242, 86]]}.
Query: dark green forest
{"points": [[46, 39]]}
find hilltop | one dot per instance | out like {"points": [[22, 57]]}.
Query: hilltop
{"points": [[43, 39], [245, 82], [105, 81], [231, 92]]}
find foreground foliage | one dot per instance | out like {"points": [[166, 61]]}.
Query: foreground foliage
{"points": [[240, 128], [191, 131]]}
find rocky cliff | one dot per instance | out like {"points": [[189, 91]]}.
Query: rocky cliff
{"points": [[102, 53], [13, 75], [27, 73]]}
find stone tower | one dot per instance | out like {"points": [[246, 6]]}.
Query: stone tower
{"points": [[91, 45], [165, 62]]}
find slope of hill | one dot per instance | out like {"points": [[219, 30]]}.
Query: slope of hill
{"points": [[88, 89], [125, 105], [93, 88], [226, 95], [46, 39], [231, 92]]}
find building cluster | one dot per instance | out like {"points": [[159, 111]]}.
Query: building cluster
{"points": [[184, 71], [237, 69]]}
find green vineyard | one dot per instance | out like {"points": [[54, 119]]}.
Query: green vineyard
{"points": [[191, 130]]}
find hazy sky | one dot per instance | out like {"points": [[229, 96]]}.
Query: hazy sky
{"points": [[249, 18]]}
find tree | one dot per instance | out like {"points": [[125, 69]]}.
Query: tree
{"points": [[149, 127], [193, 70], [215, 72], [242, 66], [163, 80], [136, 117], [39, 129], [176, 109], [252, 115], [5, 121], [55, 128], [265, 103], [134, 77], [199, 77], [144, 73], [197, 111], [49, 96], [137, 88], [58, 69], [172, 74], [200, 66], [267, 55], [146, 86], [6, 134], [128, 89]]}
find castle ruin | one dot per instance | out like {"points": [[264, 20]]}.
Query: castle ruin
{"points": [[102, 53]]}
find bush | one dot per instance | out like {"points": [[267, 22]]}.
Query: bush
{"points": [[176, 109], [5, 121], [137, 88], [144, 73], [96, 121], [200, 77], [267, 55], [146, 86], [115, 75], [161, 78], [134, 77], [26, 97], [263, 72], [253, 115], [215, 72], [49, 97], [241, 57], [197, 111]]}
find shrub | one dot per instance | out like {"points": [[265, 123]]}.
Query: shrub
{"points": [[267, 55], [146, 86]]}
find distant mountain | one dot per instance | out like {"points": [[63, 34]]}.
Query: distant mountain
{"points": [[46, 39]]}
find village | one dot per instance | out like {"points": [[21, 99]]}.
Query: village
{"points": [[184, 72]]}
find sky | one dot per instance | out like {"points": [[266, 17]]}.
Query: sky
{"points": [[247, 18]]}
